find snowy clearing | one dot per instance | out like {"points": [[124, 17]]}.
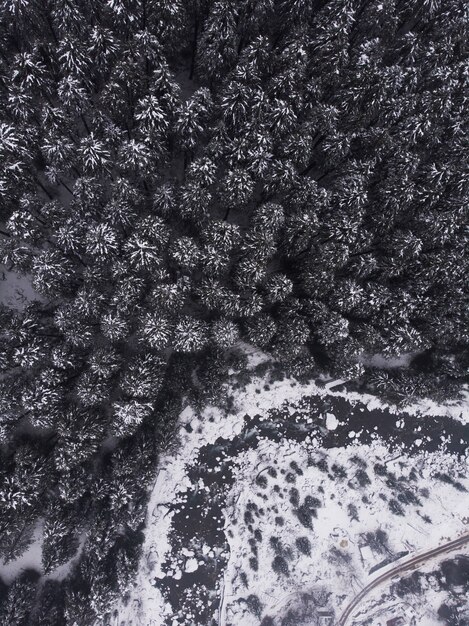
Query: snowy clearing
{"points": [[286, 524]]}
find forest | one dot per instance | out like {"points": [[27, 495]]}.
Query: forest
{"points": [[180, 178]]}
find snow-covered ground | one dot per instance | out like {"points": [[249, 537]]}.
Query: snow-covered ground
{"points": [[16, 291], [320, 520], [250, 522]]}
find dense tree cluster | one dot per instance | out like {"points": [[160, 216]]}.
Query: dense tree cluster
{"points": [[178, 175]]}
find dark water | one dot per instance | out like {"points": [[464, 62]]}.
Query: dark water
{"points": [[199, 517]]}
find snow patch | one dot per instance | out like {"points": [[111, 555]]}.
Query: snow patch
{"points": [[331, 421], [191, 565]]}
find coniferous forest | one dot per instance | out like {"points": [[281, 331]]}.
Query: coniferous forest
{"points": [[183, 177]]}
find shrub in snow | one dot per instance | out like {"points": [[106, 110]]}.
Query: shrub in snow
{"points": [[304, 545], [280, 565]]}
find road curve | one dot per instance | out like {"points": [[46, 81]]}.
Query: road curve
{"points": [[400, 568]]}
